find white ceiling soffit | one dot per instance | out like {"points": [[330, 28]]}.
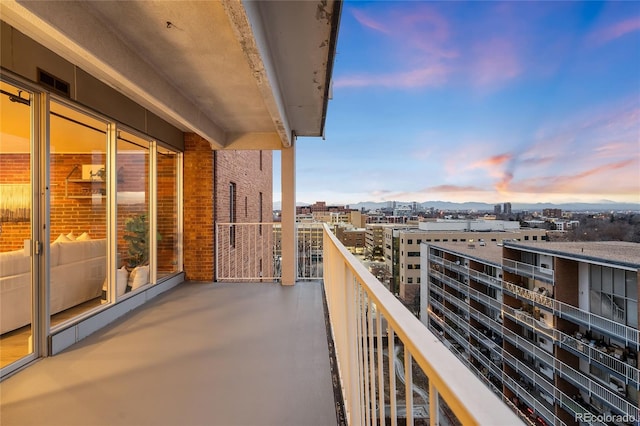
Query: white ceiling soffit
{"points": [[242, 76]]}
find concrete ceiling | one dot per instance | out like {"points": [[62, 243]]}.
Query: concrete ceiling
{"points": [[243, 75]]}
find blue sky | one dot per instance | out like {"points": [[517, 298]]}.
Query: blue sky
{"points": [[480, 101]]}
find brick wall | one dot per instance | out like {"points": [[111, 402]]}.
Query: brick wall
{"points": [[79, 206], [167, 216], [198, 209], [76, 215], [566, 287], [252, 173]]}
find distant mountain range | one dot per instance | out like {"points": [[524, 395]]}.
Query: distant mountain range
{"points": [[603, 206], [476, 206]]}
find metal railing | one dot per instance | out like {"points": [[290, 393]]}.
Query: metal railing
{"points": [[246, 252], [531, 271], [629, 335], [594, 354], [253, 251], [357, 302]]}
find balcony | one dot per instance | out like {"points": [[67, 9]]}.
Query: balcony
{"points": [[257, 353], [527, 270]]}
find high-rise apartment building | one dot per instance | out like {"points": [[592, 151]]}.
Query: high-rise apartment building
{"points": [[552, 213], [406, 258], [551, 327]]}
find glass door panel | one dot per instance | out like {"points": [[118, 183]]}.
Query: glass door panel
{"points": [[167, 212], [16, 216], [133, 200], [78, 206]]}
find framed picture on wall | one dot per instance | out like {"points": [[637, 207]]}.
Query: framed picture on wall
{"points": [[15, 202]]}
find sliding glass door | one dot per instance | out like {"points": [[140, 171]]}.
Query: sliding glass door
{"points": [[78, 213], [17, 261]]}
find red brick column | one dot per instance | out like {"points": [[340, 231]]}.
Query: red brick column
{"points": [[199, 232]]}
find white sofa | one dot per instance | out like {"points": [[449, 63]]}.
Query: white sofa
{"points": [[78, 270]]}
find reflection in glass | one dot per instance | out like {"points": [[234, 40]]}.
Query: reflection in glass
{"points": [[167, 207], [133, 213], [15, 225], [78, 225]]}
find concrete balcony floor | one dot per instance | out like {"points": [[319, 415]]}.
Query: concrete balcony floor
{"points": [[200, 354]]}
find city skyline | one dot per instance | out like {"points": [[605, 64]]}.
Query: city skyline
{"points": [[484, 102]]}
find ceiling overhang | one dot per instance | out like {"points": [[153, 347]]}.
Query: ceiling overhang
{"points": [[243, 75]]}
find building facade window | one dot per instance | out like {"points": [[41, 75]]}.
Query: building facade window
{"points": [[614, 294], [168, 213], [133, 211], [260, 212], [77, 211], [107, 212], [232, 213]]}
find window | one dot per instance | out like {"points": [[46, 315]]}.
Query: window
{"points": [[78, 208], [232, 213], [410, 280], [133, 161], [260, 207], [246, 207], [260, 160], [168, 163], [409, 241], [614, 294]]}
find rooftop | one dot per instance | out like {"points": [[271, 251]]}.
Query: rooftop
{"points": [[617, 252], [490, 252]]}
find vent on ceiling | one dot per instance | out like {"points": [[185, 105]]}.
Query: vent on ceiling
{"points": [[54, 83]]}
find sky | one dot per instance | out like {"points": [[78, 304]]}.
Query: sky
{"points": [[479, 101]]}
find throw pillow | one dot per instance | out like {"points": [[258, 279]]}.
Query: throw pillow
{"points": [[83, 237], [122, 276], [139, 277], [71, 237], [62, 239]]}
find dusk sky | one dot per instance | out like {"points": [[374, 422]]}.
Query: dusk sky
{"points": [[479, 101]]}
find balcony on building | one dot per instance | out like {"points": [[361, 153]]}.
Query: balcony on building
{"points": [[311, 337]]}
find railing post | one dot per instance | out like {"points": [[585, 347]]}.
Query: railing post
{"points": [[391, 349], [381, 406], [353, 385], [408, 387], [434, 405]]}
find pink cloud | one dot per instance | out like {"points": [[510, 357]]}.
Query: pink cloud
{"points": [[496, 160], [623, 175], [614, 31], [432, 76], [453, 188], [494, 61], [369, 22]]}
